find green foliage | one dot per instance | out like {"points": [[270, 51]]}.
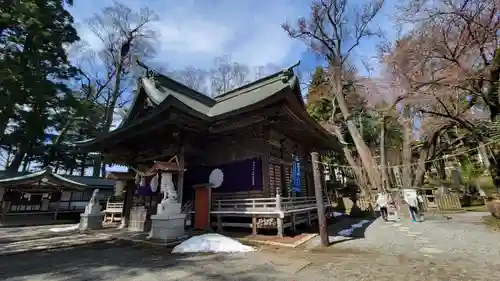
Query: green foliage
{"points": [[321, 110], [34, 77], [471, 171]]}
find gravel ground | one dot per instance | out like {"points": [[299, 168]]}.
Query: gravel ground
{"points": [[133, 263], [27, 231], [463, 237], [460, 249]]}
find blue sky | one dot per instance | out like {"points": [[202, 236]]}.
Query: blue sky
{"points": [[193, 32]]}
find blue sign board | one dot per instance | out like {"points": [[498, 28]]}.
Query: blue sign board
{"points": [[296, 180]]}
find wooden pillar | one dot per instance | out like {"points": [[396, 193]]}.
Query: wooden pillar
{"points": [[4, 206], [127, 204], [279, 220], [219, 224], [265, 162], [318, 190], [180, 175], [57, 205], [70, 200], [279, 225], [265, 172], [254, 225], [310, 182]]}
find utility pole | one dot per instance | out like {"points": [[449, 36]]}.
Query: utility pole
{"points": [[320, 204]]}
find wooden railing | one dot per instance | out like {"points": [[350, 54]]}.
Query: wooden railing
{"points": [[249, 205], [114, 207], [294, 203], [264, 205], [113, 212]]}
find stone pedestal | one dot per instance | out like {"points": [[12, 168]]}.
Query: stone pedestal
{"points": [[138, 219], [90, 221], [92, 217], [169, 224]]}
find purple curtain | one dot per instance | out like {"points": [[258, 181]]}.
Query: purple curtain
{"points": [[144, 190], [238, 176]]}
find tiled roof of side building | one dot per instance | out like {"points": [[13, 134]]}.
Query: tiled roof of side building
{"points": [[84, 182]]}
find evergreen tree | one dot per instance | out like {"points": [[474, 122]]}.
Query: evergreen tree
{"points": [[34, 73]]}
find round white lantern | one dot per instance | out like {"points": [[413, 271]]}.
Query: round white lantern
{"points": [[216, 178]]}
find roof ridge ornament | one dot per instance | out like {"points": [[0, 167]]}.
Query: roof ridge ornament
{"points": [[293, 66], [149, 71], [288, 72]]}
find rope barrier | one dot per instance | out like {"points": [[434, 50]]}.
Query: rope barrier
{"points": [[417, 163]]}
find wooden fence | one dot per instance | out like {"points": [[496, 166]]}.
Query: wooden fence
{"points": [[364, 204], [448, 202]]}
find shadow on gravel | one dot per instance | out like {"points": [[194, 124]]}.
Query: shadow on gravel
{"points": [[120, 261], [341, 224]]}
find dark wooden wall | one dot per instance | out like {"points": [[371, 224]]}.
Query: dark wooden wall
{"points": [[237, 147], [273, 148], [281, 150]]}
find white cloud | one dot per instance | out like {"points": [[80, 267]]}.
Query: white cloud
{"points": [[193, 32], [195, 36], [269, 45]]}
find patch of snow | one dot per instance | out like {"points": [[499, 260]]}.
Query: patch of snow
{"points": [[345, 232], [64, 229], [348, 231], [213, 243], [337, 214], [360, 224]]}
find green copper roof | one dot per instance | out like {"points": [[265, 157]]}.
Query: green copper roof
{"points": [[158, 93], [161, 91], [160, 87], [8, 180]]}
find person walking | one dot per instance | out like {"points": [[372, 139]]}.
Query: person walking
{"points": [[382, 202], [411, 199], [420, 200]]}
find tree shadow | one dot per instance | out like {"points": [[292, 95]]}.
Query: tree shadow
{"points": [[340, 205], [120, 261], [338, 231]]}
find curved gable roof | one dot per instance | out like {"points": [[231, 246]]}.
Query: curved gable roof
{"points": [[164, 92]]}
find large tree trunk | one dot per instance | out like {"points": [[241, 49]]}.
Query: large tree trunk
{"points": [[368, 162], [407, 154], [26, 163], [82, 166], [358, 172], [383, 157], [441, 169], [53, 153], [7, 158], [100, 166], [16, 162], [483, 152], [495, 169], [96, 169], [4, 122]]}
